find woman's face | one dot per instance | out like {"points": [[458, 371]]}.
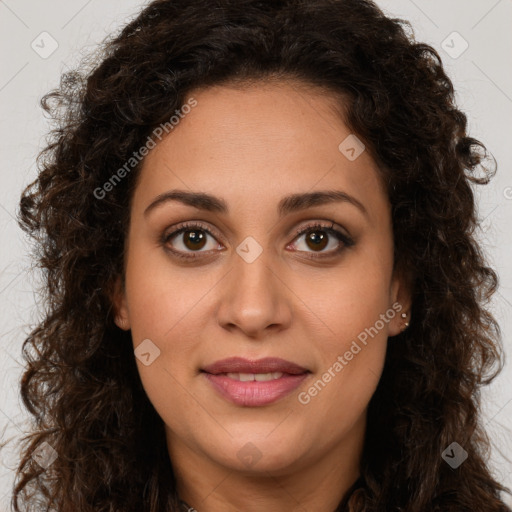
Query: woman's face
{"points": [[253, 167]]}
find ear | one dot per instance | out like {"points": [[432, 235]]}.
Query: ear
{"points": [[401, 301], [121, 313]]}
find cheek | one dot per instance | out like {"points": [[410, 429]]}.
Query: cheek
{"points": [[161, 295], [356, 314], [352, 356], [348, 301], [164, 306]]}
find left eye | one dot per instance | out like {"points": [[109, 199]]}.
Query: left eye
{"points": [[318, 238]]}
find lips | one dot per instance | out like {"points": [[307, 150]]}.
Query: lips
{"points": [[265, 365], [254, 383]]}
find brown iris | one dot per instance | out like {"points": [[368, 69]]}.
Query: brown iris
{"points": [[194, 239], [318, 239]]}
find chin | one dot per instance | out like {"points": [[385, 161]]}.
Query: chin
{"points": [[261, 454]]}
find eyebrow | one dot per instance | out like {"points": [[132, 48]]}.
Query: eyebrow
{"points": [[287, 205]]}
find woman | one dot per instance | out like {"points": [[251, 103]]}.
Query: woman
{"points": [[263, 291]]}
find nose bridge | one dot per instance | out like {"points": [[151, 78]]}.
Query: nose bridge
{"points": [[252, 270], [253, 297]]}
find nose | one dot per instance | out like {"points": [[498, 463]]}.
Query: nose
{"points": [[254, 298]]}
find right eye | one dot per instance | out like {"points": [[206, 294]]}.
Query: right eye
{"points": [[189, 238]]}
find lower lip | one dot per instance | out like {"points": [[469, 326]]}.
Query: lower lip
{"points": [[255, 393]]}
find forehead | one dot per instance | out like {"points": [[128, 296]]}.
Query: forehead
{"points": [[257, 143]]}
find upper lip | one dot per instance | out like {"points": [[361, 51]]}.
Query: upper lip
{"points": [[265, 365]]}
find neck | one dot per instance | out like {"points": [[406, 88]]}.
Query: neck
{"points": [[185, 507]]}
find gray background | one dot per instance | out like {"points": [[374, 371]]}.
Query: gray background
{"points": [[482, 76]]}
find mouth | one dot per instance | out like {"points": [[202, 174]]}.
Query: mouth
{"points": [[250, 377], [254, 383]]}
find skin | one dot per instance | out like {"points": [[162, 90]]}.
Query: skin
{"points": [[251, 146]]}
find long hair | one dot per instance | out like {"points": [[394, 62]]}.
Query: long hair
{"points": [[97, 443]]}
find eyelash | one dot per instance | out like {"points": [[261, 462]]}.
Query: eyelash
{"points": [[186, 226]]}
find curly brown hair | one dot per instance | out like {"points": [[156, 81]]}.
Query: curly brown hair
{"points": [[81, 382]]}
